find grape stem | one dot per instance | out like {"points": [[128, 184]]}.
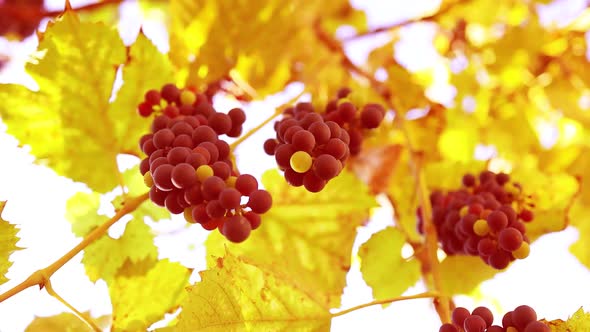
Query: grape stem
{"points": [[386, 301], [396, 25], [41, 277], [429, 261], [252, 131], [80, 315]]}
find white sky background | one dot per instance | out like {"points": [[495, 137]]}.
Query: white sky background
{"points": [[551, 279]]}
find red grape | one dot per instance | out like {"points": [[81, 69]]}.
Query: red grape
{"points": [[510, 239], [204, 134], [537, 326], [326, 167], [474, 324], [313, 183], [237, 116], [270, 146], [162, 177], [220, 122], [448, 328], [178, 155], [212, 187], [259, 201], [229, 198], [215, 209], [236, 229], [523, 315], [183, 141], [303, 140], [459, 315], [253, 219], [371, 116], [183, 175], [246, 184], [170, 93], [484, 313], [497, 220]]}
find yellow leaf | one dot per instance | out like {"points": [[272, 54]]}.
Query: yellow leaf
{"points": [[69, 122], [65, 322], [104, 258], [147, 69], [458, 143], [139, 301], [578, 322], [565, 98], [552, 196], [76, 65], [237, 295], [381, 258], [580, 216], [461, 274], [8, 240], [581, 23], [81, 211], [212, 38], [309, 235]]}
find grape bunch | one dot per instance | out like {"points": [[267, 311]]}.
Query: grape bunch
{"points": [[312, 147], [521, 319], [485, 218], [188, 167]]}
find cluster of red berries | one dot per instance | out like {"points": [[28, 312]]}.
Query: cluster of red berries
{"points": [[188, 167], [485, 218], [521, 319], [312, 147]]}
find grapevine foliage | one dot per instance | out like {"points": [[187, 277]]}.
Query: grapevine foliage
{"points": [[476, 155]]}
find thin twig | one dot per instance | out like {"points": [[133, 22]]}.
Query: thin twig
{"points": [[396, 25], [41, 277], [386, 301], [277, 112], [80, 315]]}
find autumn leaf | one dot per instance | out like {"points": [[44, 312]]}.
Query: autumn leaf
{"points": [[147, 69], [579, 321], [66, 322], [260, 52], [309, 235], [238, 295], [103, 258], [383, 267], [163, 285], [8, 240], [81, 211], [69, 122], [462, 274], [553, 196]]}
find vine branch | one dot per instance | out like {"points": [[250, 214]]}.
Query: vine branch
{"points": [[277, 112], [396, 25], [386, 301], [80, 315], [441, 303], [252, 131], [41, 277]]}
